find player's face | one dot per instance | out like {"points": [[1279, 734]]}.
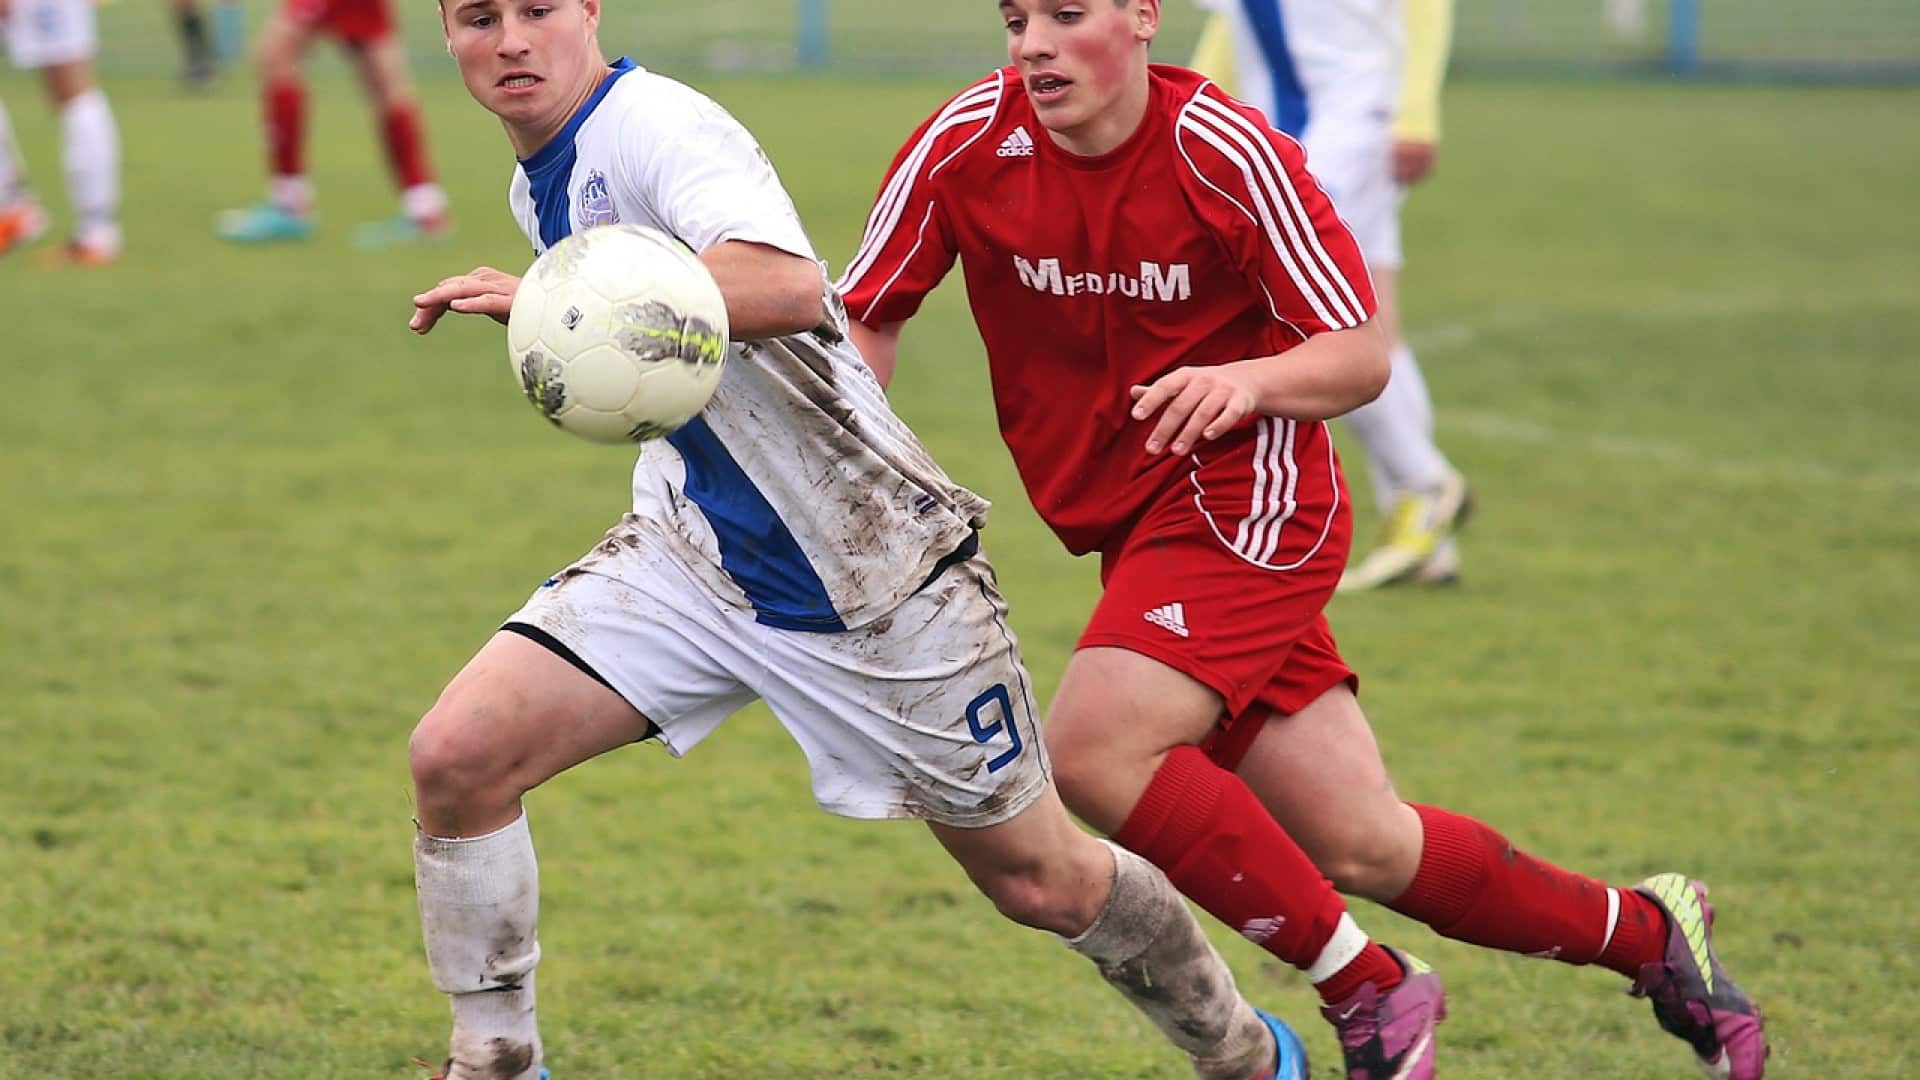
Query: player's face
{"points": [[530, 62], [1084, 63]]}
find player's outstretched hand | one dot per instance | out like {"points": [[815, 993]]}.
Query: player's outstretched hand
{"points": [[485, 291], [1194, 403]]}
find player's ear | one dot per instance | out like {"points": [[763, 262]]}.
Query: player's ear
{"points": [[592, 10], [1146, 20]]}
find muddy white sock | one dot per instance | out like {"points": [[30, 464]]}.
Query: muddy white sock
{"points": [[1149, 947], [479, 903]]}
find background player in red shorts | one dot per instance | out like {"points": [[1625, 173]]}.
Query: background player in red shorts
{"points": [[1171, 310], [365, 28]]}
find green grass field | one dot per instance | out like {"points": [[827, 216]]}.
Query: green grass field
{"points": [[249, 525]]}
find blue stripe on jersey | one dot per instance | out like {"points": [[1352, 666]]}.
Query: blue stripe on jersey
{"points": [[1289, 97], [757, 550], [551, 167]]}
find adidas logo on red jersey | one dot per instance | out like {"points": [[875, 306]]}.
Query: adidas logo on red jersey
{"points": [[1169, 617], [1018, 144]]}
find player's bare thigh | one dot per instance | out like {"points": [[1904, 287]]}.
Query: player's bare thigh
{"points": [[1114, 718], [382, 64], [515, 716], [282, 44], [1320, 774]]}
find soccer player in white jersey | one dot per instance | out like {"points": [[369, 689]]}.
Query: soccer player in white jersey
{"points": [[793, 543], [58, 38], [1358, 82]]}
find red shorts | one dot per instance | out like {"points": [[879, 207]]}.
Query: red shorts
{"points": [[1226, 579], [355, 22]]}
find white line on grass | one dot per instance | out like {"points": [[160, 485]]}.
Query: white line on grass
{"points": [[1505, 428]]}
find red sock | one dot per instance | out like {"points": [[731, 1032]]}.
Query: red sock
{"points": [[1201, 825], [406, 146], [1640, 937], [1474, 886], [286, 107]]}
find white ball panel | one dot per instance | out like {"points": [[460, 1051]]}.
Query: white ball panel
{"points": [[602, 378]]}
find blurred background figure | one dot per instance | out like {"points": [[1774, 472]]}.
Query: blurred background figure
{"points": [[1358, 82], [204, 49], [58, 39], [365, 28]]}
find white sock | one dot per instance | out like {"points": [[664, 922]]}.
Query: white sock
{"points": [[422, 201], [479, 903], [1149, 947], [1347, 942], [294, 194], [1397, 431], [13, 170], [90, 152]]}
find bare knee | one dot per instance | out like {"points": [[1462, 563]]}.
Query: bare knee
{"points": [[276, 57], [464, 776], [1377, 862], [1045, 896], [68, 81]]}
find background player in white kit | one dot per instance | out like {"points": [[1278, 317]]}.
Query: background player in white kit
{"points": [[58, 37], [1358, 83], [876, 633]]}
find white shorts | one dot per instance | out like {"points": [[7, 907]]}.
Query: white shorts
{"points": [[1354, 164], [926, 712], [42, 33]]}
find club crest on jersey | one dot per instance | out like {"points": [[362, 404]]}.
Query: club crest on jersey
{"points": [[596, 202], [1153, 282]]}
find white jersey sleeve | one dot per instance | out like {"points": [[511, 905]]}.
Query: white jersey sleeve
{"points": [[706, 178], [796, 492]]}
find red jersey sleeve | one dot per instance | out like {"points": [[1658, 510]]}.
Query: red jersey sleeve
{"points": [[908, 246], [1251, 185]]}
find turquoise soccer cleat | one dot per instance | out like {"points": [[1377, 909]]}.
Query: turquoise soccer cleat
{"points": [[401, 229], [262, 223]]}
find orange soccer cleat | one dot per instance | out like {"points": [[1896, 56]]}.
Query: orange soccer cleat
{"points": [[21, 223]]}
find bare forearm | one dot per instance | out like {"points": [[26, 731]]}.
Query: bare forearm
{"points": [[879, 346], [1326, 376], [769, 292]]}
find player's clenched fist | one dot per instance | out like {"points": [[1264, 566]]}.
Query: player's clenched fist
{"points": [[485, 291], [1194, 403]]}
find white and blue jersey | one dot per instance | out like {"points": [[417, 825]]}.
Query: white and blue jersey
{"points": [[796, 492], [1317, 65]]}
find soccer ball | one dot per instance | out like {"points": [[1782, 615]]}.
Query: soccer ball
{"points": [[618, 334]]}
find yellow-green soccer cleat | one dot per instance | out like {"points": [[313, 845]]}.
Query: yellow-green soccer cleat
{"points": [[1693, 997], [1413, 546]]}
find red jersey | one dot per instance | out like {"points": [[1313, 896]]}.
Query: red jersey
{"points": [[1200, 240]]}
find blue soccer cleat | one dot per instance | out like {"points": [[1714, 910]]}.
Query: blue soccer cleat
{"points": [[1289, 1053], [544, 1075], [262, 223]]}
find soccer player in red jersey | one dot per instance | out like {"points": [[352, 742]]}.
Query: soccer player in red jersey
{"points": [[1171, 310], [365, 28]]}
